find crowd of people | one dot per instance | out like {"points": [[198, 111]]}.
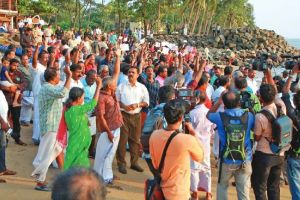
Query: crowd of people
{"points": [[93, 95]]}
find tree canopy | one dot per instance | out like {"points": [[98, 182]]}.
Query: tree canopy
{"points": [[198, 16]]}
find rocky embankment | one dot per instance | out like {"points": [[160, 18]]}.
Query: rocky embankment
{"points": [[244, 42]]}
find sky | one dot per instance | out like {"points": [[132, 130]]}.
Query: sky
{"points": [[282, 16]]}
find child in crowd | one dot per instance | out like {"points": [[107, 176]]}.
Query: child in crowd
{"points": [[6, 80]]}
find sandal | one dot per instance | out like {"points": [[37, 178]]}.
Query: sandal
{"points": [[43, 187]]}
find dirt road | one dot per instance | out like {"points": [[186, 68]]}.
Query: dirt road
{"points": [[20, 187]]}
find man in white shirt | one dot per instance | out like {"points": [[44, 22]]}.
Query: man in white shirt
{"points": [[39, 65], [251, 82], [133, 96], [224, 84], [76, 70]]}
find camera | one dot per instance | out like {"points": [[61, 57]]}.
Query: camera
{"points": [[186, 95], [266, 66], [290, 64]]}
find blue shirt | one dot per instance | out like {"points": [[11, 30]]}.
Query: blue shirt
{"points": [[2, 73], [188, 77], [237, 112], [122, 79], [89, 91]]}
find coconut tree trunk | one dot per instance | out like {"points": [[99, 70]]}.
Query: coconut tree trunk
{"points": [[158, 15], [196, 19], [144, 2], [189, 22], [209, 23], [201, 22]]}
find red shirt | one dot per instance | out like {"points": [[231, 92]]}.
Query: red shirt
{"points": [[109, 107]]}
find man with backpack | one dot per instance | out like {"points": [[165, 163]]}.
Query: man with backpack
{"points": [[267, 164], [155, 120], [234, 125], [293, 154]]}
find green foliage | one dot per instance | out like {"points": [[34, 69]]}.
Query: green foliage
{"points": [[199, 15], [234, 13]]}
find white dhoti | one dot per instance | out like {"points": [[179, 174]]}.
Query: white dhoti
{"points": [[48, 150], [93, 127], [36, 121], [201, 172], [105, 153], [26, 110], [216, 144]]}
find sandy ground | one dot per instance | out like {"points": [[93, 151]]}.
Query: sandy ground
{"points": [[21, 186]]}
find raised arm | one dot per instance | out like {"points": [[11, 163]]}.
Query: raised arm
{"points": [[36, 55], [117, 65], [77, 54], [199, 65], [180, 65], [142, 60], [288, 83], [99, 86]]}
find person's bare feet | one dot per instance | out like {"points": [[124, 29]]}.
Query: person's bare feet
{"points": [[8, 172], [194, 196]]}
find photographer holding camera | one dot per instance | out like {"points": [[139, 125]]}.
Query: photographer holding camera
{"points": [[175, 175]]}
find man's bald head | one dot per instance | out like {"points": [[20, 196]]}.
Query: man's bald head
{"points": [[231, 100], [78, 184]]}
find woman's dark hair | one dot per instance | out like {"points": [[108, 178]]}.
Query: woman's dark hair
{"points": [[74, 94], [90, 55], [173, 110], [231, 100], [267, 93]]}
